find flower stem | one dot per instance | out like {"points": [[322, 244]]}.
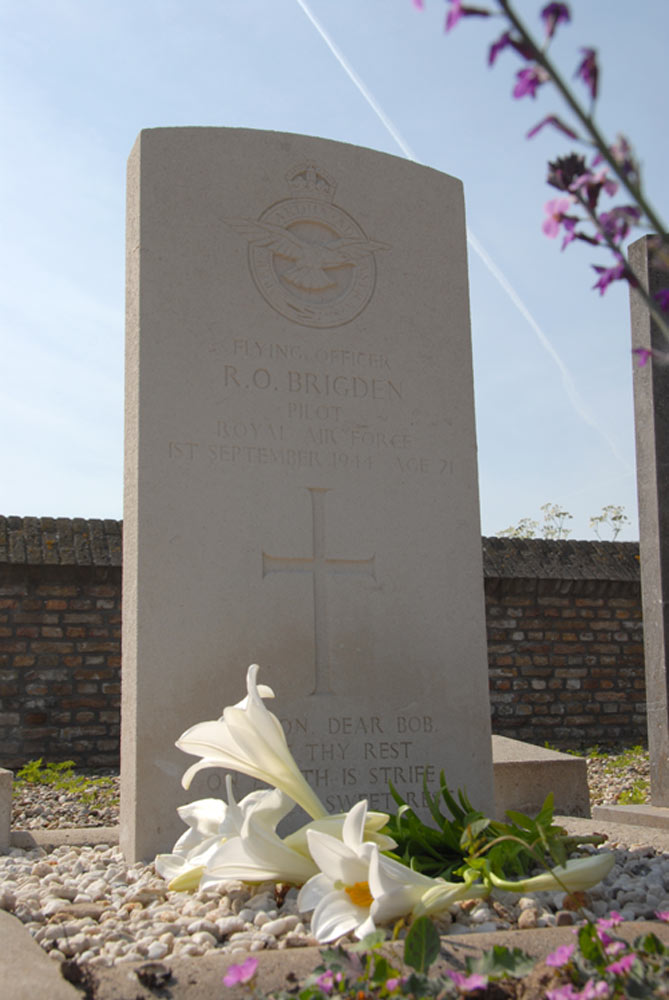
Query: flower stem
{"points": [[653, 306], [585, 119], [634, 189]]}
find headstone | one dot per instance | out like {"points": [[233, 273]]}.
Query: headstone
{"points": [[651, 412], [301, 481]]}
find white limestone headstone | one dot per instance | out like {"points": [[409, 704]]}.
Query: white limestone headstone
{"points": [[301, 481]]}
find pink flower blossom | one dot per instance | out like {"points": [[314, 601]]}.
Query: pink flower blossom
{"points": [[468, 983], [567, 992], [595, 990], [615, 948], [418, 4], [660, 914], [392, 984], [556, 210], [622, 966], [327, 980], [613, 919], [241, 973], [561, 956]]}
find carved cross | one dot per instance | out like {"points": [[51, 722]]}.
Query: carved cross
{"points": [[320, 566]]}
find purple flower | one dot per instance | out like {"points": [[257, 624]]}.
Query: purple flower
{"points": [[561, 956], [418, 4], [468, 983], [616, 225], [556, 123], [392, 984], [606, 276], [660, 914], [599, 180], [643, 354], [622, 966], [588, 71], [663, 298], [565, 171], [554, 14], [498, 46], [613, 919], [567, 992], [241, 973], [615, 947], [524, 50], [555, 215], [327, 980], [528, 81], [456, 11], [593, 990]]}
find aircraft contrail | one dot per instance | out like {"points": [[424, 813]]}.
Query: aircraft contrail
{"points": [[567, 378]]}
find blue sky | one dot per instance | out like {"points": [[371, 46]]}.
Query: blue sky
{"points": [[80, 78]]}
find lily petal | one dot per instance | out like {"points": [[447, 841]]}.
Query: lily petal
{"points": [[577, 875], [250, 739], [333, 826], [336, 915], [258, 854]]}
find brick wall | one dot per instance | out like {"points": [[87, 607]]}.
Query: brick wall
{"points": [[60, 641], [565, 644], [566, 667]]}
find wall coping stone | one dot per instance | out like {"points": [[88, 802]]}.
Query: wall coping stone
{"points": [[542, 559], [60, 541], [78, 541]]}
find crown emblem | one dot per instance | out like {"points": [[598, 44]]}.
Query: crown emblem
{"points": [[310, 181]]}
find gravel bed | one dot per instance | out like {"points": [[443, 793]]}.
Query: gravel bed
{"points": [[86, 903], [46, 807]]}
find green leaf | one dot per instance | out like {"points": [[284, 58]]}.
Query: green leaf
{"points": [[432, 805], [382, 970], [422, 944], [475, 824], [520, 819], [369, 942], [650, 944], [501, 963], [590, 945], [456, 812]]}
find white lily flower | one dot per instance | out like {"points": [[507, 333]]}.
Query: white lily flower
{"points": [[340, 895], [334, 824], [398, 890], [358, 887], [577, 875], [210, 822], [250, 739], [258, 854]]}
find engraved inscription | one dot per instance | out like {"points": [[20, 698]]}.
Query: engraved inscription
{"points": [[309, 259], [353, 757], [320, 567]]}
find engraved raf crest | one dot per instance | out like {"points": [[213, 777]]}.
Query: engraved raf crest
{"points": [[309, 259]]}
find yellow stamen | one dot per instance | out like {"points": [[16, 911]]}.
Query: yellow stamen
{"points": [[359, 894]]}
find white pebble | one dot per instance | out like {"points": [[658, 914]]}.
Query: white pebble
{"points": [[229, 925], [204, 938], [157, 950], [280, 926]]}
